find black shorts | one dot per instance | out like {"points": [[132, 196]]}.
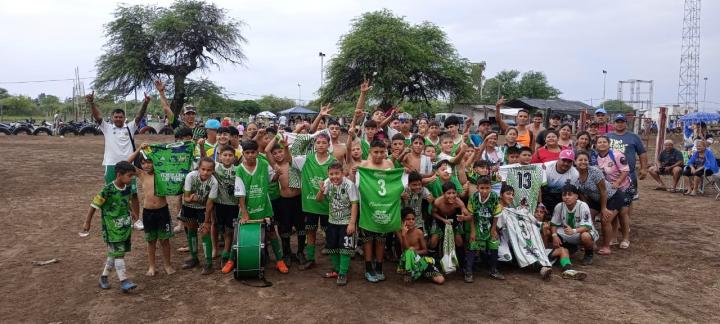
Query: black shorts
{"points": [[156, 223], [289, 214], [616, 202], [311, 221], [192, 215], [704, 172], [338, 242], [369, 236], [226, 215]]}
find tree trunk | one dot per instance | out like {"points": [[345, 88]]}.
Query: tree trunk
{"points": [[178, 99]]}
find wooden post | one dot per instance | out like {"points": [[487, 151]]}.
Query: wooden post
{"points": [[662, 126]]}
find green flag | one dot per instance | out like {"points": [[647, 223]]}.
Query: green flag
{"points": [[380, 192], [527, 181], [171, 162]]}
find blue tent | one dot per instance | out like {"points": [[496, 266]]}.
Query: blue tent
{"points": [[298, 110], [701, 116]]}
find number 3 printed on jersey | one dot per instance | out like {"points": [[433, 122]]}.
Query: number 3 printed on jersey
{"points": [[381, 184]]}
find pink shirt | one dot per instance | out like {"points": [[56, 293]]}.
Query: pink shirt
{"points": [[613, 168], [604, 129]]}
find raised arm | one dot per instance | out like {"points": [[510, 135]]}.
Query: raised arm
{"points": [[90, 100], [324, 111], [163, 100], [143, 109], [498, 115], [364, 87], [387, 119]]}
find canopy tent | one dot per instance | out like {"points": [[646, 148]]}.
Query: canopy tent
{"points": [[297, 110], [701, 116], [266, 114]]}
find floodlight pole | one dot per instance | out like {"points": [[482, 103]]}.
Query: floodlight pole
{"points": [[604, 78]]}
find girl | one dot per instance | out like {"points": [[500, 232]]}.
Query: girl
{"points": [[583, 142], [510, 141], [565, 134], [490, 151]]}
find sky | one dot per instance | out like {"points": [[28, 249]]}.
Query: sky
{"points": [[570, 41]]}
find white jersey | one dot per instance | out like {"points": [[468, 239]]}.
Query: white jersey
{"points": [[523, 237]]}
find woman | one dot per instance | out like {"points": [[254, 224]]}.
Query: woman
{"points": [[616, 170], [490, 151], [599, 195], [551, 150], [583, 142], [422, 127], [511, 135], [701, 164], [565, 136]]}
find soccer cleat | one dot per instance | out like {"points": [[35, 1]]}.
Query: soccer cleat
{"points": [[574, 274], [587, 260], [380, 276], [371, 277], [190, 263], [546, 273], [207, 269], [104, 282], [282, 267], [468, 277], [228, 266], [330, 274], [341, 280], [127, 285], [496, 275]]}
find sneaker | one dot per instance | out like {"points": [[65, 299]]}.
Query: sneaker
{"points": [[546, 273], [127, 285], [341, 280], [104, 282], [229, 265], [190, 263], [371, 277], [468, 277], [496, 275], [307, 265], [280, 265], [380, 276], [139, 225], [574, 274], [331, 274], [587, 260], [207, 269]]}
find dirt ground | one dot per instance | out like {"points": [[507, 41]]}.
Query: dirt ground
{"points": [[669, 274]]}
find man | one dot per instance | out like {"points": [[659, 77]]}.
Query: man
{"points": [[119, 144], [629, 144], [482, 130], [537, 124], [603, 126], [558, 173], [670, 161], [553, 124], [525, 136], [188, 120]]}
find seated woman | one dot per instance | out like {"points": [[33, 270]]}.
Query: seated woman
{"points": [[701, 163]]}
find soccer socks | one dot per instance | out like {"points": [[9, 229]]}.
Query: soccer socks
{"points": [[335, 258], [286, 246], [344, 264], [207, 248], [469, 261], [493, 259], [226, 255], [310, 252], [378, 266], [368, 266], [301, 243], [120, 269], [565, 264], [109, 265], [276, 249], [192, 243]]}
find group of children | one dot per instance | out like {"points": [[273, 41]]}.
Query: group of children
{"points": [[299, 181]]}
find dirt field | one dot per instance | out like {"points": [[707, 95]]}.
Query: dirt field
{"points": [[669, 274]]}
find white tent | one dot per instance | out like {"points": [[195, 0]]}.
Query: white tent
{"points": [[266, 114]]}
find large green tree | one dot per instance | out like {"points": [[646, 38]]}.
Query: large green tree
{"points": [[275, 103], [404, 62], [616, 106], [146, 42], [531, 84]]}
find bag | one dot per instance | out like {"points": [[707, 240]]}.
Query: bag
{"points": [[449, 260], [135, 162]]}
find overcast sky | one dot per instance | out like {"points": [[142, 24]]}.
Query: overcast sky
{"points": [[571, 41]]}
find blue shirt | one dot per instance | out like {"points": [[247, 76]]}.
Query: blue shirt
{"points": [[628, 144]]}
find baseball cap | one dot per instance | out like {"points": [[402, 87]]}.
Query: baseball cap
{"points": [[601, 111], [567, 155], [569, 188], [483, 121], [620, 117], [404, 116], [212, 124], [188, 108]]}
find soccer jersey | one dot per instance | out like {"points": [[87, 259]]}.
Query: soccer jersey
{"points": [[483, 212], [254, 187], [575, 218], [226, 184], [113, 203], [312, 172], [414, 201], [556, 180], [435, 187], [204, 190], [527, 180], [340, 199], [171, 163], [522, 236]]}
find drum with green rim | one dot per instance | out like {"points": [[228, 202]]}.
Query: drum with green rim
{"points": [[250, 248]]}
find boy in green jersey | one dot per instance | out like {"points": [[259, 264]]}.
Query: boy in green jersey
{"points": [[113, 201], [343, 201], [226, 205], [199, 194], [484, 207]]}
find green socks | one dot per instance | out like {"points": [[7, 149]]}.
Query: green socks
{"points": [[344, 264], [276, 249], [192, 243], [207, 249], [564, 263], [226, 255], [335, 258], [310, 252]]}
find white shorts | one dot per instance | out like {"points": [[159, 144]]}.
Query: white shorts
{"points": [[574, 239]]}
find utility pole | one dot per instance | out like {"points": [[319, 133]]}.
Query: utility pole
{"points": [[322, 68], [704, 92], [604, 78], [299, 94]]}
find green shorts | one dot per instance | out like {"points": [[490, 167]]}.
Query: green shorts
{"points": [[118, 249], [110, 177], [483, 243]]}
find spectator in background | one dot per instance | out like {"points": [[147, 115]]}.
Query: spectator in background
{"points": [[604, 126], [632, 147], [553, 124], [670, 161], [701, 164], [537, 124]]}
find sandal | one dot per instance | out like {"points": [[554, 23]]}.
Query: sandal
{"points": [[659, 188], [671, 190], [624, 244], [604, 251]]}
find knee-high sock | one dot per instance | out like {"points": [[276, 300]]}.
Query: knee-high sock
{"points": [[301, 241], [493, 259], [192, 242], [286, 246], [344, 264], [109, 265], [335, 258], [207, 248], [469, 261], [310, 252], [120, 269], [276, 249]]}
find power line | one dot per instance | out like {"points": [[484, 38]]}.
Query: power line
{"points": [[41, 81]]}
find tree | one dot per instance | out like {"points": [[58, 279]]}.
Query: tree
{"points": [[274, 103], [616, 106], [146, 42], [535, 85], [404, 62], [531, 85], [18, 106], [4, 93], [246, 107]]}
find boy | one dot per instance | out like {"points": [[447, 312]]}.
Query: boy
{"points": [[433, 137], [398, 150], [525, 155], [452, 129], [446, 210], [416, 161], [200, 192], [340, 239], [155, 213], [430, 151], [226, 205], [513, 155], [485, 208], [369, 132], [444, 174], [448, 150], [413, 197], [114, 201], [413, 262], [224, 136], [574, 217], [560, 254]]}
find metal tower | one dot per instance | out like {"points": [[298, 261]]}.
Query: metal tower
{"points": [[690, 57]]}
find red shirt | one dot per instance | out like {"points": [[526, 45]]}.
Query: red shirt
{"points": [[543, 155], [605, 129]]}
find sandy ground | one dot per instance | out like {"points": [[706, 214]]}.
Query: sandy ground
{"points": [[670, 273]]}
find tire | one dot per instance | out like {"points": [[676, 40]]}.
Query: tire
{"points": [[42, 131], [148, 130], [88, 130], [5, 131], [69, 130], [22, 130], [167, 130]]}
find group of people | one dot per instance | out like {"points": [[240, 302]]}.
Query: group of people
{"points": [[533, 198]]}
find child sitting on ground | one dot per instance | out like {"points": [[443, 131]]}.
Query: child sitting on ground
{"points": [[413, 261]]}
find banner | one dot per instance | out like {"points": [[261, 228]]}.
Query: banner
{"points": [[172, 162], [380, 192]]}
